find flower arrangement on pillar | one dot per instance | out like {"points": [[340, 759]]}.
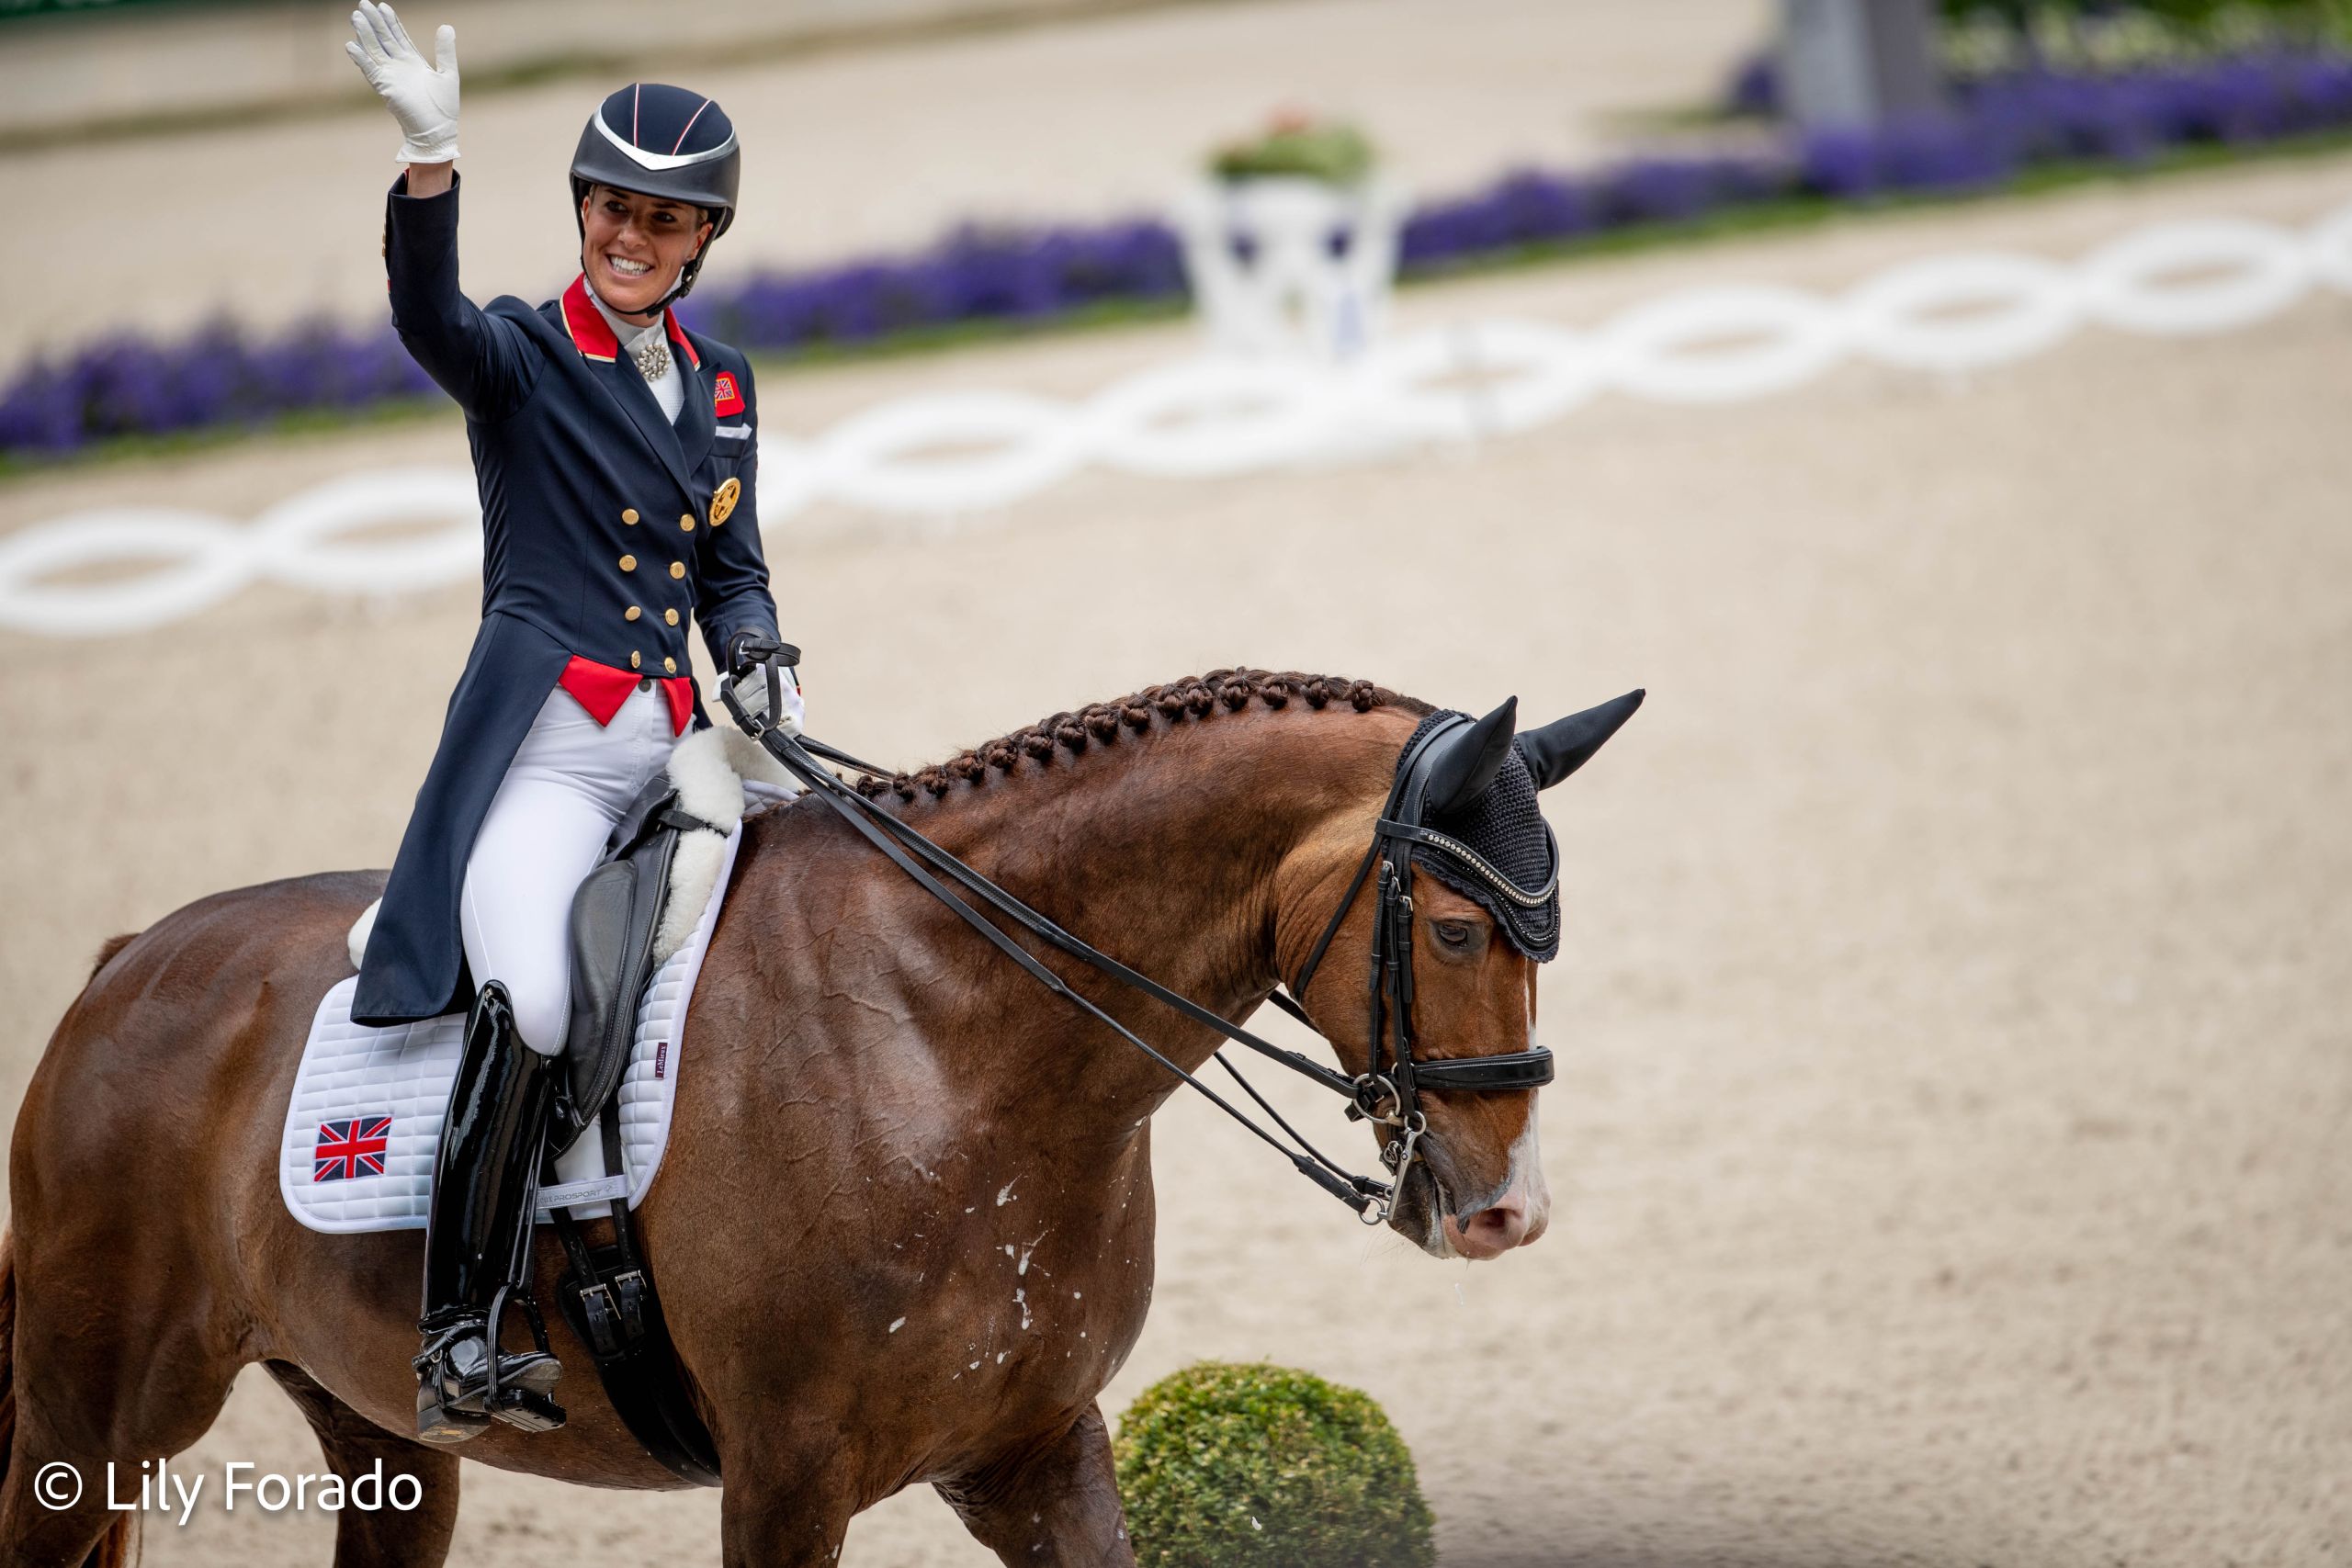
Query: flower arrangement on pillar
{"points": [[1290, 241]]}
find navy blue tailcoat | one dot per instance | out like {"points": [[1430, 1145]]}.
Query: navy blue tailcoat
{"points": [[598, 541]]}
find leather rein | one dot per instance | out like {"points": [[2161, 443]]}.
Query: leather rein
{"points": [[1387, 1093]]}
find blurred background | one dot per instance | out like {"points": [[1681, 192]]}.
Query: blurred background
{"points": [[1939, 409]]}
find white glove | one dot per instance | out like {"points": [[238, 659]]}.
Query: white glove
{"points": [[424, 100], [752, 691]]}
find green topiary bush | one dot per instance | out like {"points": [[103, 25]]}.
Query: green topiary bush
{"points": [[1301, 147], [1254, 1466]]}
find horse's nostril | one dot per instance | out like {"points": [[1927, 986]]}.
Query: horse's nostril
{"points": [[1493, 1231]]}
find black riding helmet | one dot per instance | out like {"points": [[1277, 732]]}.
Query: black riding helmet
{"points": [[666, 142]]}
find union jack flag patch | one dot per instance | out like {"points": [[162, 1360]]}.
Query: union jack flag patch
{"points": [[351, 1147], [725, 397]]}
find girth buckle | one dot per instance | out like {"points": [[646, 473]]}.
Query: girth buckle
{"points": [[615, 1313], [603, 1321]]}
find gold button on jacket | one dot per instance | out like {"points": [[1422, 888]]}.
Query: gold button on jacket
{"points": [[677, 569], [671, 665], [633, 658], [629, 514], [629, 563], [687, 522], [671, 616], [631, 612]]}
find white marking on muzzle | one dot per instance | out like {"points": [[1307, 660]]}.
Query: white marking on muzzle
{"points": [[1527, 1172]]}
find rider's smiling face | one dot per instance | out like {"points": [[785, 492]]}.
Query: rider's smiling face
{"points": [[634, 246]]}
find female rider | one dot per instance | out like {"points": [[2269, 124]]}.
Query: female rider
{"points": [[615, 456]]}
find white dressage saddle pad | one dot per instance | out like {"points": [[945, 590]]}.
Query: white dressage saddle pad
{"points": [[363, 1124]]}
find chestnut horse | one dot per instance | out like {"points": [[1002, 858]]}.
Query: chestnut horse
{"points": [[864, 1077]]}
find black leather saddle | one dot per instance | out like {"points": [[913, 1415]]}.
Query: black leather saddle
{"points": [[614, 917], [607, 1295]]}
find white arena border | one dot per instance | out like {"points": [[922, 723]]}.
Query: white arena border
{"points": [[1212, 417]]}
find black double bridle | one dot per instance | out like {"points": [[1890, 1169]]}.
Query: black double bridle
{"points": [[1387, 1093]]}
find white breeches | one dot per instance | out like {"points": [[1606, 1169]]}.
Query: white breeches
{"points": [[567, 786]]}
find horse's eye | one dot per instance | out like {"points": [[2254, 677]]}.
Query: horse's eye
{"points": [[1454, 934]]}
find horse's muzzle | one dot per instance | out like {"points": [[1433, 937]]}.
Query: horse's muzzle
{"points": [[1485, 1225], [1513, 1219]]}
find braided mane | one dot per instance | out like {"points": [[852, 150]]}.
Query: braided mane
{"points": [[1194, 698]]}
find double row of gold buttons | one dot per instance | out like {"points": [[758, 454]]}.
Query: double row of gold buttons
{"points": [[677, 571]]}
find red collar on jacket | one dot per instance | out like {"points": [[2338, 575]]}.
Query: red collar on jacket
{"points": [[592, 336]]}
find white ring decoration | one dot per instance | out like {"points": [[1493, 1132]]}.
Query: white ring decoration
{"points": [[2262, 271], [1529, 374], [1659, 351], [869, 459], [789, 476], [209, 557], [294, 541], [1962, 312], [2331, 245], [1205, 418], [1229, 415]]}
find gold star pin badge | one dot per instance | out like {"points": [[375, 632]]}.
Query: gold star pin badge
{"points": [[724, 502]]}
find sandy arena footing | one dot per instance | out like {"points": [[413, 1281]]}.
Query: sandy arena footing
{"points": [[1950, 1143]]}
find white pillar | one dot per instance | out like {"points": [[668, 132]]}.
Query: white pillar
{"points": [[1857, 62]]}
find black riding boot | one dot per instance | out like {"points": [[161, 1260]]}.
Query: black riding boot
{"points": [[477, 1243]]}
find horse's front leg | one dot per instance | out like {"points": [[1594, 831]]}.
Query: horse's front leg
{"points": [[783, 1512], [1051, 1503]]}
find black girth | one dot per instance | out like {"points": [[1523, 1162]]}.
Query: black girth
{"points": [[1387, 1093]]}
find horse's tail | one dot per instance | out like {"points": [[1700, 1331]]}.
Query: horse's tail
{"points": [[118, 1548]]}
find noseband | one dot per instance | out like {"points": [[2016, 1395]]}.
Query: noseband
{"points": [[1387, 1092]]}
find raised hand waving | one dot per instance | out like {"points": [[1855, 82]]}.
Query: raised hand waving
{"points": [[422, 95]]}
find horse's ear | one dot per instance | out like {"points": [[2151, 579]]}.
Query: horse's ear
{"points": [[1469, 761], [1561, 746]]}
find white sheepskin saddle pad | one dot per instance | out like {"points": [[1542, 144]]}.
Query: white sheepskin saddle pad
{"points": [[364, 1122]]}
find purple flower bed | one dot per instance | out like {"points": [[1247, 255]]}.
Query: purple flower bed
{"points": [[976, 275], [2001, 122], [128, 384], [1999, 126]]}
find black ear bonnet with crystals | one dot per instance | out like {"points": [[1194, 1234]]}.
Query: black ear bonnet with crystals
{"points": [[1504, 828], [1484, 834]]}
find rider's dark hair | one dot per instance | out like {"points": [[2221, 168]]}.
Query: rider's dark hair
{"points": [[1195, 696]]}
